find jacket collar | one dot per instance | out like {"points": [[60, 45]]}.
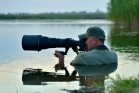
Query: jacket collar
{"points": [[101, 47]]}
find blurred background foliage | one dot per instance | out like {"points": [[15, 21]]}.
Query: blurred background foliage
{"points": [[124, 12]]}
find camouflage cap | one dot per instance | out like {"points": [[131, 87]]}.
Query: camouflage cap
{"points": [[93, 31]]}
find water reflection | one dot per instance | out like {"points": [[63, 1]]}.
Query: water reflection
{"points": [[32, 76], [91, 78], [124, 37]]}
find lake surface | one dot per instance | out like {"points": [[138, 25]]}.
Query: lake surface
{"points": [[13, 59]]}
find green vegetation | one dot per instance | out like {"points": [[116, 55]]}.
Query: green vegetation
{"points": [[124, 12], [124, 38], [66, 15], [130, 85], [125, 41]]}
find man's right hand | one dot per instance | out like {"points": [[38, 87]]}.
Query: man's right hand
{"points": [[58, 54], [60, 65]]}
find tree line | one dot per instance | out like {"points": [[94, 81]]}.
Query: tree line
{"points": [[65, 15], [124, 12]]}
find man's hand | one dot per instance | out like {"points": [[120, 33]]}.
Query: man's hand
{"points": [[58, 54], [59, 65]]}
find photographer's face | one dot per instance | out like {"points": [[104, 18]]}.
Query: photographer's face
{"points": [[90, 43]]}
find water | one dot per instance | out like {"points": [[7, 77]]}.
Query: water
{"points": [[13, 59]]}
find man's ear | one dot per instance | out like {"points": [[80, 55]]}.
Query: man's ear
{"points": [[94, 39]]}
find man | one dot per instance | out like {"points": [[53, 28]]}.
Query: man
{"points": [[97, 53]]}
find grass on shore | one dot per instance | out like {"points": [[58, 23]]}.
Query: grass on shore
{"points": [[125, 85]]}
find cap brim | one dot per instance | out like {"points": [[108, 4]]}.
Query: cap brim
{"points": [[82, 36]]}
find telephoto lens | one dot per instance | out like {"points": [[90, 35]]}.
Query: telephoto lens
{"points": [[38, 42]]}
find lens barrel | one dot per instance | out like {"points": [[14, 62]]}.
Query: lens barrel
{"points": [[38, 42]]}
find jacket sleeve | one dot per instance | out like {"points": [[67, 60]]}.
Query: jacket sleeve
{"points": [[78, 60]]}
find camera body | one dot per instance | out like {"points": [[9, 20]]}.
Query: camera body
{"points": [[38, 42]]}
